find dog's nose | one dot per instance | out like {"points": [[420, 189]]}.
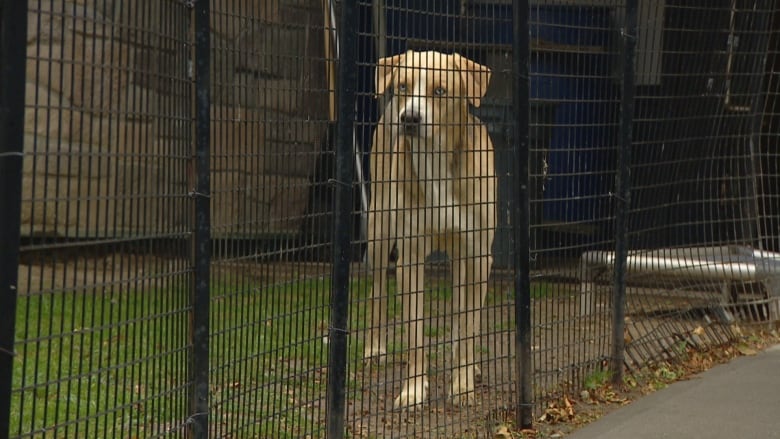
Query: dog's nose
{"points": [[410, 117], [410, 120]]}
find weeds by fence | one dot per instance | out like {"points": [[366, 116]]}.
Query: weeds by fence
{"points": [[189, 184]]}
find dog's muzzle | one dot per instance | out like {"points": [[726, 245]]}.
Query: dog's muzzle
{"points": [[410, 122]]}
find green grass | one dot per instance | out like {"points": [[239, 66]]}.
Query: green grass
{"points": [[117, 363], [539, 290], [122, 355], [435, 331], [439, 292], [507, 324], [596, 379]]}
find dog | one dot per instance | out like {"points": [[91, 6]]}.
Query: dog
{"points": [[433, 188]]}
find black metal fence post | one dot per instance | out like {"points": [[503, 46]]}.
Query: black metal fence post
{"points": [[623, 191], [13, 34], [199, 362], [520, 212], [342, 228]]}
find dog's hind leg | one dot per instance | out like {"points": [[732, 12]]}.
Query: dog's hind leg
{"points": [[410, 272]]}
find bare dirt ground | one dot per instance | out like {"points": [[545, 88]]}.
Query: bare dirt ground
{"points": [[96, 274], [571, 382], [371, 413]]}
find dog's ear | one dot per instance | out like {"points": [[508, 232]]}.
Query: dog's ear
{"points": [[475, 78], [385, 68]]}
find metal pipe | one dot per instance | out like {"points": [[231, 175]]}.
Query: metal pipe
{"points": [[13, 36], [757, 266], [519, 211], [765, 254], [361, 178], [380, 28], [732, 43], [201, 253], [342, 213], [623, 191]]}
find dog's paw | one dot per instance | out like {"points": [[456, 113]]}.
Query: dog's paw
{"points": [[464, 399], [462, 389], [414, 393]]}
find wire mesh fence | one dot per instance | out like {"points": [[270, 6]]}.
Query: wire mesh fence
{"points": [[700, 116], [102, 340], [300, 218]]}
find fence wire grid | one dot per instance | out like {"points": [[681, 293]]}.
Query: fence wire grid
{"points": [[397, 218]]}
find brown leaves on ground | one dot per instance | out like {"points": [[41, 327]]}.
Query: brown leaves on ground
{"points": [[569, 413], [604, 395], [566, 413], [568, 409], [505, 432], [561, 410]]}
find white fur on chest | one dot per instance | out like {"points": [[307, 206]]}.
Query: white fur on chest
{"points": [[443, 211]]}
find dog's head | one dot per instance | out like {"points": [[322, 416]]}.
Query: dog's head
{"points": [[431, 90]]}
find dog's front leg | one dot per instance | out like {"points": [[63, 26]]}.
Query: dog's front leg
{"points": [[410, 272], [470, 276], [378, 254]]}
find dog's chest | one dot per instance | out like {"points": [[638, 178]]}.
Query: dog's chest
{"points": [[433, 172], [442, 208]]}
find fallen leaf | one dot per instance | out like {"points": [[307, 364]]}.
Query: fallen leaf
{"points": [[502, 433], [569, 407], [746, 350]]}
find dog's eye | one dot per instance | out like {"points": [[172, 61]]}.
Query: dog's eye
{"points": [[401, 88], [440, 91]]}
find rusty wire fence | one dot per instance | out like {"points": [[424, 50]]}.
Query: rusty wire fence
{"points": [[209, 229]]}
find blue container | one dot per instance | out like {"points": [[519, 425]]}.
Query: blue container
{"points": [[571, 67], [420, 22]]}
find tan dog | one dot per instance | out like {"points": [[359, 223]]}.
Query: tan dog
{"points": [[433, 188]]}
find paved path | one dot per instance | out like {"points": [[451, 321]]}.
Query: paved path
{"points": [[740, 399]]}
